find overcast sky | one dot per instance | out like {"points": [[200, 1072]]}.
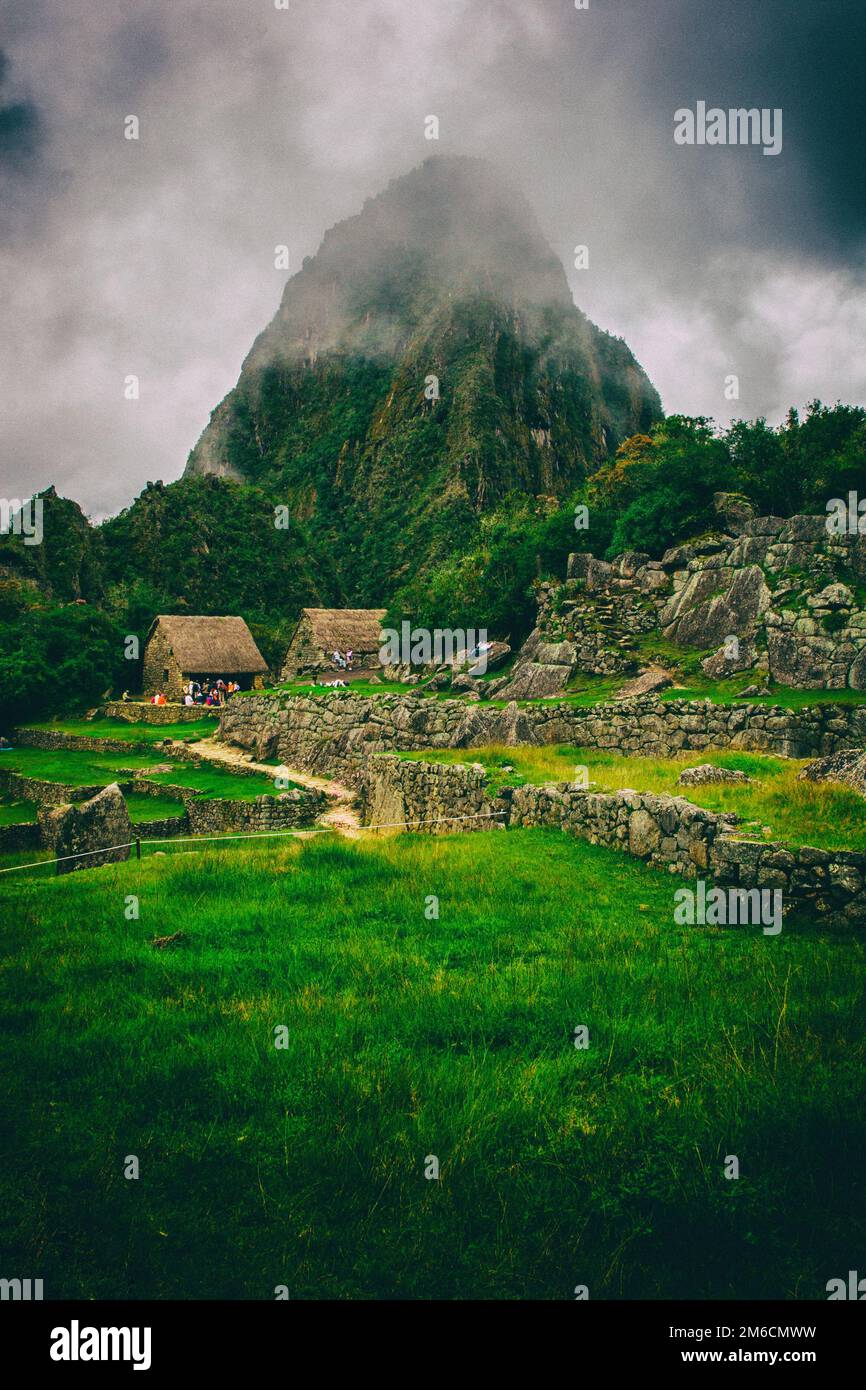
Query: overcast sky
{"points": [[261, 126]]}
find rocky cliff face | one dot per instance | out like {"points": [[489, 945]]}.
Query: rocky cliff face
{"points": [[786, 598], [427, 362]]}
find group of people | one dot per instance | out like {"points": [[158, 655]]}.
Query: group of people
{"points": [[209, 692], [344, 661]]}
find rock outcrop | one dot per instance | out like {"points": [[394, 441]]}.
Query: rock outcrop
{"points": [[652, 679], [783, 597], [94, 832], [847, 767]]}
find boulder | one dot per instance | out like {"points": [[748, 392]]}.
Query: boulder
{"points": [[705, 774], [724, 662], [534, 681], [847, 767], [629, 562], [462, 682], [87, 830], [653, 678], [715, 603], [496, 655]]}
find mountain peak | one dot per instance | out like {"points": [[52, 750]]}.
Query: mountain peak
{"points": [[425, 364]]}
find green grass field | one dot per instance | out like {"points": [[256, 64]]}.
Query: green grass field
{"points": [[146, 808], [410, 1037], [823, 815], [15, 812], [82, 769], [131, 733]]}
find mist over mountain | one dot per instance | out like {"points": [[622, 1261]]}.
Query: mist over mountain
{"points": [[427, 363]]}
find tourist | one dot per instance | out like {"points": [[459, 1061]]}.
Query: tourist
{"points": [[349, 655]]}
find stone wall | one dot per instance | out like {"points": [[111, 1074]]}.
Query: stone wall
{"points": [[431, 796], [159, 669], [16, 838], [42, 791], [213, 816], [135, 712], [160, 829], [50, 793], [668, 832], [828, 884], [82, 743], [204, 815], [334, 734]]}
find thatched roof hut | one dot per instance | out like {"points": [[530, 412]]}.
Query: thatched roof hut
{"points": [[322, 631], [180, 648]]}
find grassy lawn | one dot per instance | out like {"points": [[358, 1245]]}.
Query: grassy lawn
{"points": [[145, 808], [406, 1038], [727, 693], [86, 769], [14, 812], [823, 815], [129, 733]]}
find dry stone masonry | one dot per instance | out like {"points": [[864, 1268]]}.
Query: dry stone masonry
{"points": [[428, 796], [790, 591], [334, 734], [667, 832]]}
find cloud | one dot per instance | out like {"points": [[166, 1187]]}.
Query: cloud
{"points": [[261, 127]]}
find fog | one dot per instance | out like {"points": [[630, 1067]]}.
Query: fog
{"points": [[259, 127]]}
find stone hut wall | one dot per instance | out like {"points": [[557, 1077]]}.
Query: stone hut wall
{"points": [[157, 659]]}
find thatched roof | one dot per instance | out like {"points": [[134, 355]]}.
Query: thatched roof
{"points": [[345, 629], [221, 646]]}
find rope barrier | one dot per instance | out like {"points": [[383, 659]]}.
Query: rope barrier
{"points": [[249, 835]]}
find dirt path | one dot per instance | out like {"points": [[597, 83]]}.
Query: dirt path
{"points": [[342, 816]]}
